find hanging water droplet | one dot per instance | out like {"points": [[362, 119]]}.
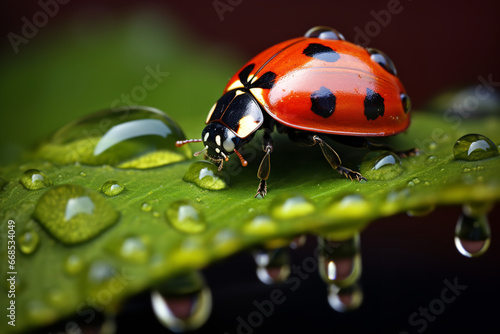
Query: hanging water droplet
{"points": [[186, 217], [33, 179], [381, 166], [127, 137], [112, 188], [183, 303], [421, 211], [345, 299], [73, 265], [73, 214], [273, 266], [339, 261], [294, 206], [135, 249], [205, 175], [474, 147], [472, 235], [28, 241]]}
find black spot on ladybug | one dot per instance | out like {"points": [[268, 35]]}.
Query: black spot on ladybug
{"points": [[374, 105], [266, 81], [321, 52], [405, 99], [245, 73], [323, 102]]}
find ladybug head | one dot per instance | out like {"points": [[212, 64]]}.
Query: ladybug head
{"points": [[219, 141]]}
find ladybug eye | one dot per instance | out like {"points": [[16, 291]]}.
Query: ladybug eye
{"points": [[324, 33], [405, 99], [382, 59]]}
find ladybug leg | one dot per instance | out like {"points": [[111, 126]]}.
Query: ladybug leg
{"points": [[265, 164]]}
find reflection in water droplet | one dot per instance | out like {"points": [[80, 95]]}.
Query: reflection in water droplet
{"points": [[205, 175], [472, 235], [28, 241], [73, 264], [474, 147], [273, 266], [127, 137], [345, 299], [33, 179], [286, 207], [73, 214], [186, 217], [381, 166], [111, 188], [340, 261], [183, 303]]}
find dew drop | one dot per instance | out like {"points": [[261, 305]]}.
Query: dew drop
{"points": [[73, 214], [127, 137], [39, 313], [73, 265], [472, 235], [135, 249], [345, 299], [260, 225], [474, 147], [56, 298], [273, 266], [205, 175], [183, 303], [28, 241], [33, 179], [421, 211], [294, 206], [112, 188], [186, 217], [339, 261], [381, 166], [99, 274], [354, 206], [146, 207]]}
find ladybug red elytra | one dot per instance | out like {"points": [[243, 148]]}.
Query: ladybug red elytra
{"points": [[308, 87]]}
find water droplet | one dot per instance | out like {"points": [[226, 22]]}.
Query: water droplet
{"points": [[83, 174], [111, 188], [39, 313], [205, 175], [183, 303], [345, 299], [73, 214], [73, 265], [381, 166], [186, 217], [353, 206], [477, 209], [287, 207], [56, 298], [472, 235], [127, 137], [474, 147], [421, 211], [33, 179], [134, 249], [260, 225], [146, 207], [339, 261], [28, 241], [100, 273], [273, 266]]}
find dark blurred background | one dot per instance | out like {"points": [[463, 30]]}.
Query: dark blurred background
{"points": [[435, 45]]}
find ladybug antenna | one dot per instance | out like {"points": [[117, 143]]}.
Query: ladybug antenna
{"points": [[179, 143], [244, 163]]}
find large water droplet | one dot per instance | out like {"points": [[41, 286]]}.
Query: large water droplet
{"points": [[205, 175], [287, 207], [73, 214], [472, 235], [28, 241], [345, 299], [127, 137], [186, 217], [183, 303], [112, 188], [339, 261], [473, 147], [381, 166], [33, 179], [273, 266]]}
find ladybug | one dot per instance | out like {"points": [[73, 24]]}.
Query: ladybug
{"points": [[309, 87]]}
